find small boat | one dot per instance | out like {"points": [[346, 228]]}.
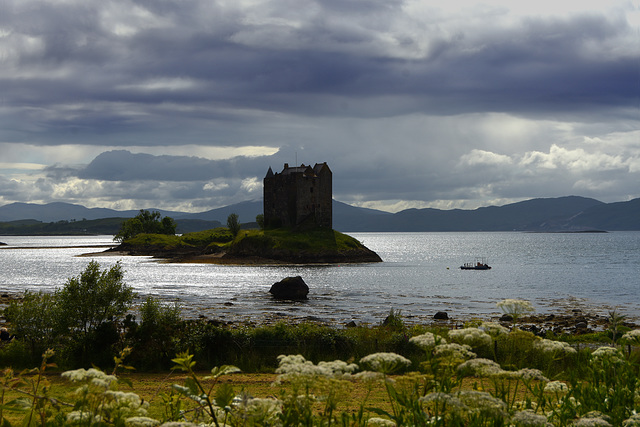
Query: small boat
{"points": [[479, 264]]}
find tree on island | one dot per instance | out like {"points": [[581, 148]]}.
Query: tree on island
{"points": [[146, 222], [233, 224]]}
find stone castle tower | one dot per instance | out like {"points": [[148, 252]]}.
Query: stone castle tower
{"points": [[298, 197]]}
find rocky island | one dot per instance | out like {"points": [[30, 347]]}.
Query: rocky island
{"points": [[277, 246], [296, 228]]}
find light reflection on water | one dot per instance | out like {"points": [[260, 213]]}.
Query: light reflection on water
{"points": [[419, 276]]}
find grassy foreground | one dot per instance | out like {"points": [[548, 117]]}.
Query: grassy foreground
{"points": [[481, 375]]}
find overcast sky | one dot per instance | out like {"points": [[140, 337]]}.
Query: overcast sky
{"points": [[184, 105]]}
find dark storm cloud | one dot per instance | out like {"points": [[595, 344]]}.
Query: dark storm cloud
{"points": [[122, 165], [537, 66], [405, 100]]}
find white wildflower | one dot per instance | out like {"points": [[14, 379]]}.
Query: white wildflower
{"points": [[89, 375], [385, 363], [427, 340], [593, 418], [296, 365], [266, 410], [454, 351], [551, 346], [556, 387], [494, 329], [480, 401], [591, 422], [479, 368], [632, 421], [632, 337], [140, 422], [443, 398], [338, 368], [178, 424], [124, 398], [368, 376], [471, 336], [82, 417], [515, 307], [381, 422], [529, 418], [610, 353], [525, 373]]}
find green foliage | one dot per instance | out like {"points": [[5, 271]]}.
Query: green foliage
{"points": [[233, 224], [602, 391], [88, 308], [394, 320], [35, 320], [207, 237], [157, 338], [260, 221], [616, 325], [80, 319], [145, 222], [316, 240], [93, 298], [156, 240]]}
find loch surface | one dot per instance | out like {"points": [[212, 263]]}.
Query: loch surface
{"points": [[419, 276]]}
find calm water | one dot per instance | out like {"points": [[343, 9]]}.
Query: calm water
{"points": [[420, 275]]}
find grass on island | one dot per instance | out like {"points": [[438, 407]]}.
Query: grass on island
{"points": [[316, 240]]}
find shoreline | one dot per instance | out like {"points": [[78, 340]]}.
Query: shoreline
{"points": [[581, 319]]}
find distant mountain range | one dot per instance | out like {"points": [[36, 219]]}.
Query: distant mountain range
{"points": [[563, 214]]}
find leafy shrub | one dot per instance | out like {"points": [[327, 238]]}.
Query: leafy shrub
{"points": [[35, 321], [157, 338]]}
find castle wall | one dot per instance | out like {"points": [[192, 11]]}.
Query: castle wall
{"points": [[299, 197]]}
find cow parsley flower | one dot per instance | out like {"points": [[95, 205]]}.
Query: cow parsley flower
{"points": [[454, 351], [443, 399], [385, 363], [258, 411], [338, 368], [427, 340], [591, 422], [525, 373], [88, 375], [178, 424], [483, 402], [471, 336], [551, 346], [516, 308], [479, 368], [124, 398], [369, 376], [296, 365], [82, 417], [632, 421], [607, 353], [141, 422], [493, 329], [529, 418], [380, 422], [556, 387], [632, 337]]}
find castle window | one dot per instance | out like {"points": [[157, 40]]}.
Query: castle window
{"points": [[311, 190]]}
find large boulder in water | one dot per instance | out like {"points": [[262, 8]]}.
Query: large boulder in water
{"points": [[291, 288]]}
